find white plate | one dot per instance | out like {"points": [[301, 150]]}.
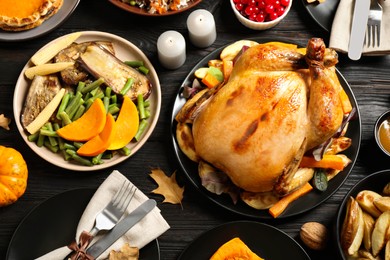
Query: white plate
{"points": [[124, 50], [47, 26]]}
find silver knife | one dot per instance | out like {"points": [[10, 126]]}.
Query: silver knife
{"points": [[121, 228], [359, 25]]}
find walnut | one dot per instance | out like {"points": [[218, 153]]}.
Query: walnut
{"points": [[314, 235]]}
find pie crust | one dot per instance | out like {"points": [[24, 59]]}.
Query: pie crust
{"points": [[23, 15]]}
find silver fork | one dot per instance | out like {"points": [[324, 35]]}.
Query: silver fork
{"points": [[373, 35], [110, 215]]}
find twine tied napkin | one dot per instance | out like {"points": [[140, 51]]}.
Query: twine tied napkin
{"points": [[342, 23], [145, 231]]}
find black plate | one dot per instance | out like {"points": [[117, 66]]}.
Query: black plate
{"points": [[52, 224], [47, 26], [322, 13], [266, 241], [375, 182], [304, 203]]}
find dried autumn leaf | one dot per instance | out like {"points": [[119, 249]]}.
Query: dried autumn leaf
{"points": [[167, 186], [4, 122]]}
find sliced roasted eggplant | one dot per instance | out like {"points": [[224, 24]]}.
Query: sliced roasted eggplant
{"points": [[75, 74], [102, 64], [40, 93]]}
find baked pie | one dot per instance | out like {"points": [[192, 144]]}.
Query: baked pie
{"points": [[20, 15]]}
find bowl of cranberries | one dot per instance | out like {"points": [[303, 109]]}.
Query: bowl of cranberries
{"points": [[260, 14]]}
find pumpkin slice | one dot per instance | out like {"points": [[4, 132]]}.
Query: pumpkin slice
{"points": [[90, 124], [99, 143], [126, 125], [235, 249]]}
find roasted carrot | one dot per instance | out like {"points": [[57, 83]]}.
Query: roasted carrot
{"points": [[282, 204], [210, 81], [332, 161]]}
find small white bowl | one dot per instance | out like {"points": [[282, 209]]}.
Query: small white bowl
{"points": [[259, 25]]}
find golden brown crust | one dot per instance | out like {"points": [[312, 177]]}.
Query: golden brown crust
{"points": [[46, 10]]}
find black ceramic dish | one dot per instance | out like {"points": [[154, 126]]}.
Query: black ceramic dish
{"points": [[52, 224], [300, 206], [323, 13], [266, 241], [375, 182]]}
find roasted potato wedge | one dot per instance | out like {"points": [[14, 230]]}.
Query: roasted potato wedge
{"points": [[261, 200], [369, 222], [339, 145], [386, 190], [353, 227], [364, 254], [383, 203], [366, 198], [231, 51], [186, 141], [387, 250], [379, 233]]}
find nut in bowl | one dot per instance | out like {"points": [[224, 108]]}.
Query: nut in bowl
{"points": [[260, 14], [362, 224], [382, 132]]}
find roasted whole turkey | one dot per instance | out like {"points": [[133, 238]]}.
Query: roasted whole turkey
{"points": [[277, 104]]}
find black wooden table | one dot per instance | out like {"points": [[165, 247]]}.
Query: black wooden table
{"points": [[368, 77]]}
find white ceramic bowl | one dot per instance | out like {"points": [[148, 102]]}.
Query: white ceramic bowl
{"points": [[259, 25], [124, 50]]}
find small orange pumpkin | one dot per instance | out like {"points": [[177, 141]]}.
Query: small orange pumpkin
{"points": [[13, 175]]}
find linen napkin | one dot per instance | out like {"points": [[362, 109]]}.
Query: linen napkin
{"points": [[342, 23], [145, 231]]}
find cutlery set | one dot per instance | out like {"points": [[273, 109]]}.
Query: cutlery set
{"points": [[366, 26], [109, 219]]}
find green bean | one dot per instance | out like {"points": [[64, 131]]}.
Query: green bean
{"points": [[113, 109], [146, 103], [141, 129], [114, 99], [63, 105], [134, 63], [97, 159], [68, 146], [127, 87], [66, 156], [74, 102], [140, 106], [80, 111], [60, 141], [77, 144], [80, 86], [33, 137], [143, 69], [106, 103], [93, 98], [107, 155], [49, 133], [41, 140], [108, 91], [92, 85], [53, 148], [147, 113], [65, 118], [125, 151], [78, 158]]}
